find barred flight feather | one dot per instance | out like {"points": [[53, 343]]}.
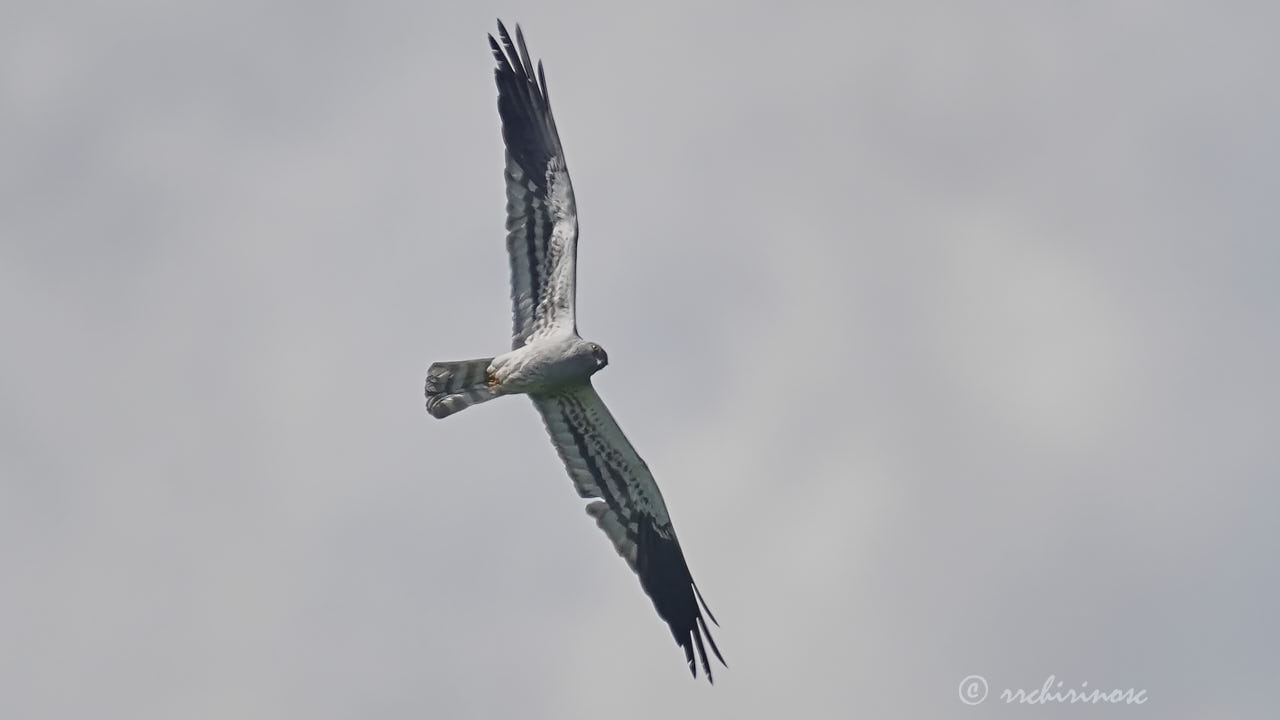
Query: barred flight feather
{"points": [[542, 221], [603, 464]]}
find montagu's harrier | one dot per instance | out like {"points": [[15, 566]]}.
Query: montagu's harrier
{"points": [[551, 364]]}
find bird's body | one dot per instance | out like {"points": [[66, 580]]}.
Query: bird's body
{"points": [[553, 365], [547, 364]]}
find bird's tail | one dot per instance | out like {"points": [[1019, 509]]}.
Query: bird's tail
{"points": [[454, 386]]}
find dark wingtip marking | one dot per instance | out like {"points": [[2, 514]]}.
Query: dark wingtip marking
{"points": [[506, 40], [698, 593], [664, 575], [520, 40], [525, 58], [707, 631], [528, 126]]}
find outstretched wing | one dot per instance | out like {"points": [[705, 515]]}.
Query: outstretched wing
{"points": [[630, 510], [542, 220]]}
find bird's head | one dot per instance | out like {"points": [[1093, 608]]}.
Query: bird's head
{"points": [[598, 357]]}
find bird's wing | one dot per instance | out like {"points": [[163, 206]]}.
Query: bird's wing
{"points": [[630, 510], [542, 220]]}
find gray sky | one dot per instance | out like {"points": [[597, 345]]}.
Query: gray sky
{"points": [[949, 333]]}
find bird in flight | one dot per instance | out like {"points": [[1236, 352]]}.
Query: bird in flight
{"points": [[551, 364]]}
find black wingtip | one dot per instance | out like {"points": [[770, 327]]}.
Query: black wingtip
{"points": [[665, 577], [712, 641], [702, 653], [702, 602], [528, 126], [506, 37]]}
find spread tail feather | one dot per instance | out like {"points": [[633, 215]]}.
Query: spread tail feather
{"points": [[455, 386]]}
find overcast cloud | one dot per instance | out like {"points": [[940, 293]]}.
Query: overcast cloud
{"points": [[949, 331]]}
